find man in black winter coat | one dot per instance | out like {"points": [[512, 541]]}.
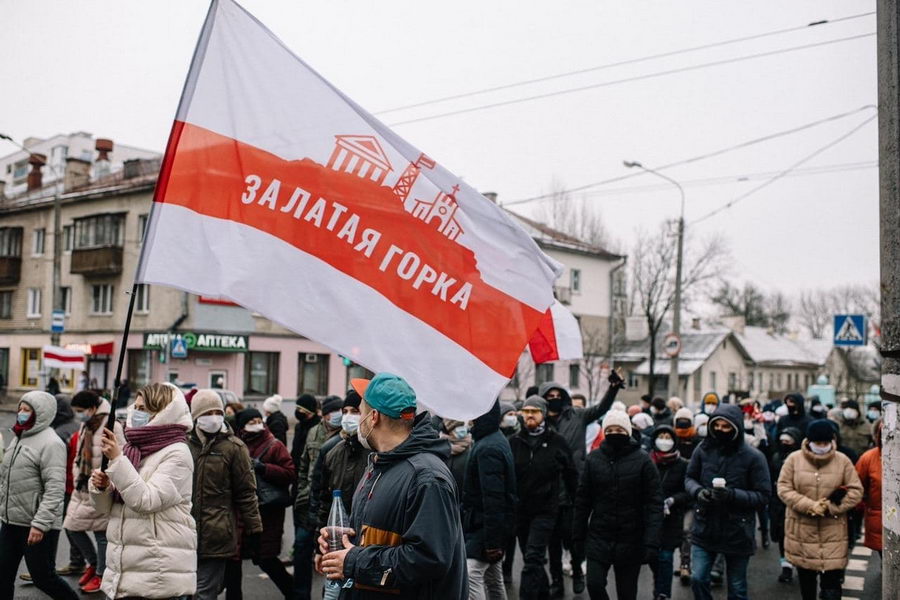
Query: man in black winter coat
{"points": [[796, 416], [488, 506], [542, 460], [729, 481]]}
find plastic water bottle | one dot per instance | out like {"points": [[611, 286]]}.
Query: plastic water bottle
{"points": [[338, 525]]}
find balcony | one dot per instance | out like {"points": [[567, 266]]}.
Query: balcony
{"points": [[105, 260], [10, 269]]}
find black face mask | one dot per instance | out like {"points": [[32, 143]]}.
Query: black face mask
{"points": [[793, 409], [787, 448], [555, 405], [683, 424], [723, 437], [616, 440]]}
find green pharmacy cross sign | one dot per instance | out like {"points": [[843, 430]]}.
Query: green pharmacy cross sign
{"points": [[198, 342]]}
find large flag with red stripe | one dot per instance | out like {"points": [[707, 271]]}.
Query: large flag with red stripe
{"points": [[281, 194], [558, 337], [55, 357]]}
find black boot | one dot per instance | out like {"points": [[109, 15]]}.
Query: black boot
{"points": [[577, 583], [787, 574], [557, 589], [765, 537]]}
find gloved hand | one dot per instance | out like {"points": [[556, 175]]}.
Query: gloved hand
{"points": [[723, 494], [493, 554], [667, 505], [251, 545], [259, 466], [615, 380], [705, 497], [651, 555]]}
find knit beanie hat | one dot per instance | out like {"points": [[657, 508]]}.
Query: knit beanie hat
{"points": [[506, 407], [820, 430], [658, 403], [331, 404], [536, 401], [272, 404], [642, 421], [352, 399], [205, 401], [684, 413], [617, 417], [308, 401], [633, 410], [619, 405], [245, 416]]}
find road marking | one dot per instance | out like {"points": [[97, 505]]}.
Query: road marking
{"points": [[862, 551], [858, 564], [854, 583]]}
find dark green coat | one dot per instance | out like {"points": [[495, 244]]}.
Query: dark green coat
{"points": [[224, 485]]}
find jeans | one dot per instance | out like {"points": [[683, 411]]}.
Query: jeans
{"points": [[14, 546], [626, 575], [534, 534], [736, 574], [663, 570], [95, 558], [485, 580], [830, 582], [304, 545], [210, 578]]}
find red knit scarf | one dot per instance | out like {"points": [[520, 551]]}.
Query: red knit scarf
{"points": [[144, 441], [664, 457]]}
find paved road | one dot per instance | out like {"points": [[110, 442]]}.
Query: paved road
{"points": [[863, 580]]}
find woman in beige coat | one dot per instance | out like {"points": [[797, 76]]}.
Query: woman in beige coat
{"points": [[818, 485]]}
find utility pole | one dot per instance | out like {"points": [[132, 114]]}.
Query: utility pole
{"points": [[676, 308], [889, 174]]}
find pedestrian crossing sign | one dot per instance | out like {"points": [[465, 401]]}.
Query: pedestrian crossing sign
{"points": [[850, 330], [179, 348]]}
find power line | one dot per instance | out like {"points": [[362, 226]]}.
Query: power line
{"points": [[785, 172], [704, 156], [623, 63], [592, 86]]}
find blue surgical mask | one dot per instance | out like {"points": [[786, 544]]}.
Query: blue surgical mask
{"points": [[334, 418], [84, 416], [461, 432], [22, 417], [139, 418]]}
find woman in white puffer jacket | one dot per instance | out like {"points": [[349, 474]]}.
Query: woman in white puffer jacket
{"points": [[146, 490]]}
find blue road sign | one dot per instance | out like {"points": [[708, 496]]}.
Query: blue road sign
{"points": [[57, 321], [850, 330], [179, 348]]}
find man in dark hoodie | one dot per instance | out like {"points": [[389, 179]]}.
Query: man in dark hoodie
{"points": [[307, 418], [662, 414], [488, 506], [796, 417], [406, 540], [729, 481]]}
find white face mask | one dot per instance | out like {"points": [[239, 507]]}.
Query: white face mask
{"points": [[364, 439], [334, 418], [851, 414], [781, 410], [664, 444], [350, 423], [254, 428], [83, 416], [139, 418], [820, 448], [701, 431], [210, 423], [510, 421]]}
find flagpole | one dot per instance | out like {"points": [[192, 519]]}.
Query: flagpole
{"points": [[117, 381]]}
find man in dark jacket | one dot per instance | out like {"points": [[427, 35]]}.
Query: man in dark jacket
{"points": [[618, 510], [406, 540], [542, 459], [796, 417], [662, 414], [307, 418], [224, 485], [729, 481], [488, 506]]}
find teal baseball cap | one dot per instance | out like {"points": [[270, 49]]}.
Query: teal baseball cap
{"points": [[389, 394]]}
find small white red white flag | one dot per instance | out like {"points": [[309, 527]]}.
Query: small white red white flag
{"points": [[281, 194], [62, 358], [558, 337]]}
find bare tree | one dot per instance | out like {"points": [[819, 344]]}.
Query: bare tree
{"points": [[524, 374], [578, 218], [653, 276], [593, 350], [817, 307], [756, 307]]}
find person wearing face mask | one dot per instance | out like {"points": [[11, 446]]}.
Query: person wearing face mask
{"points": [[32, 487], [307, 419], [509, 423], [869, 470], [873, 413], [81, 517], [796, 414], [224, 486], [146, 490], [274, 419], [273, 468], [710, 403], [457, 433], [406, 540], [856, 432], [662, 414], [543, 463], [304, 503], [725, 515], [618, 510], [818, 485], [701, 424], [676, 501], [788, 442], [686, 438]]}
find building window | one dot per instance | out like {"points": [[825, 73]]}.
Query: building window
{"points": [[99, 231], [575, 280], [34, 303], [574, 375], [11, 241], [6, 298], [313, 374], [20, 171], [218, 380], [142, 298], [37, 246], [31, 366], [66, 300], [102, 299], [732, 381], [543, 373], [712, 380], [778, 382], [261, 373], [633, 379], [142, 226], [68, 238]]}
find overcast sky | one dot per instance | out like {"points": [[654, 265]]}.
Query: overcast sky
{"points": [[116, 69]]}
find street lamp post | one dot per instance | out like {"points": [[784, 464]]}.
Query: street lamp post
{"points": [[676, 318]]}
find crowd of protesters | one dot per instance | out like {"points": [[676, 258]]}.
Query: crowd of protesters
{"points": [[171, 502]]}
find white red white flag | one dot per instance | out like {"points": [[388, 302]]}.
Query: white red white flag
{"points": [[281, 194], [558, 337], [62, 358]]}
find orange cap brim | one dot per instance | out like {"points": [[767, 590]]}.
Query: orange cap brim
{"points": [[360, 385]]}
